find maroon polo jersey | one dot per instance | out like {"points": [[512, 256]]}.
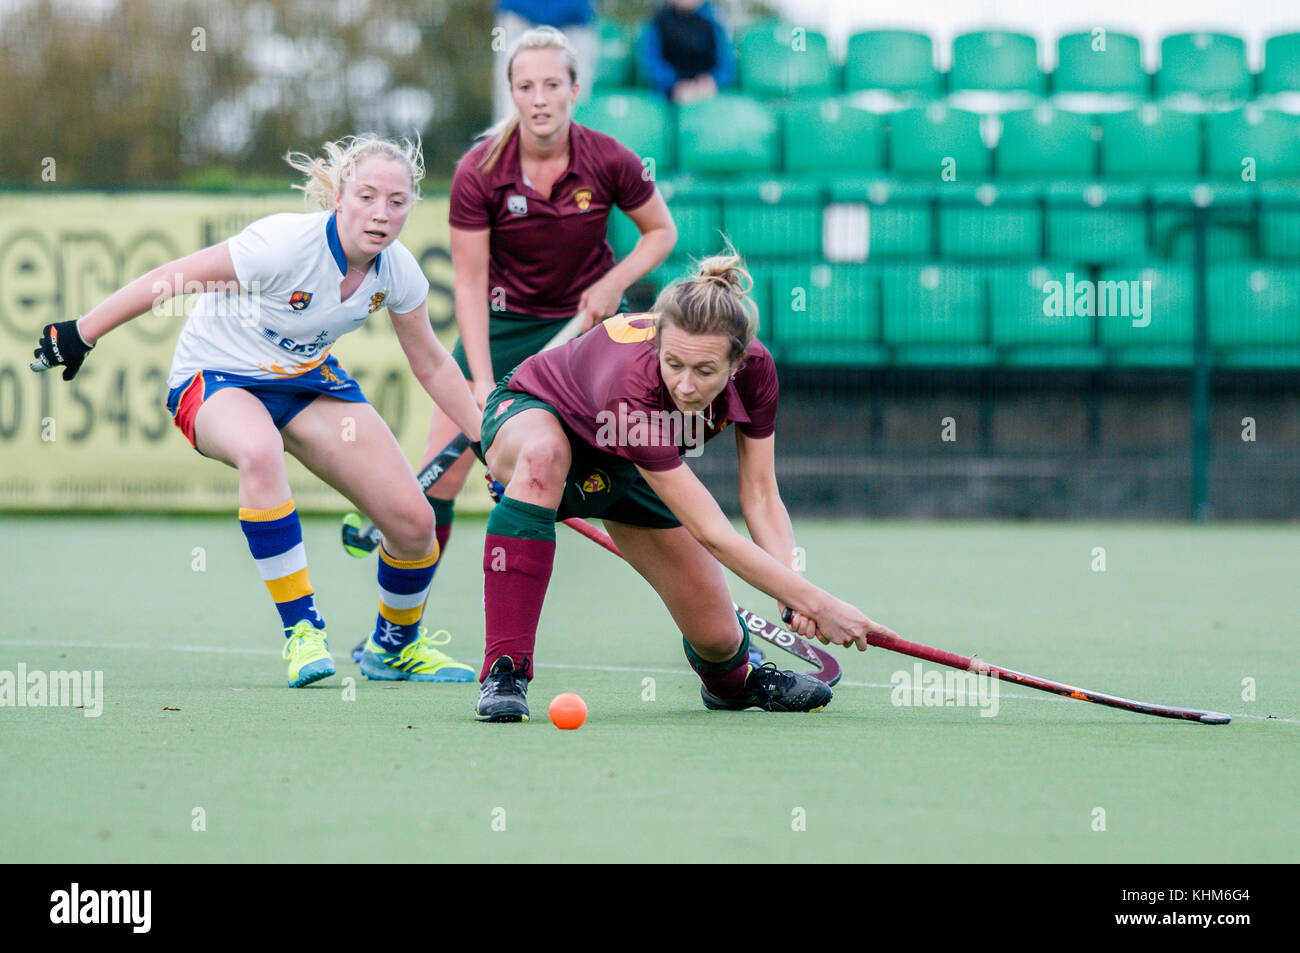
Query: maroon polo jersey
{"points": [[545, 252], [608, 390]]}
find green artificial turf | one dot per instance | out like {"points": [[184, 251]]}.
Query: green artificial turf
{"points": [[1181, 615]]}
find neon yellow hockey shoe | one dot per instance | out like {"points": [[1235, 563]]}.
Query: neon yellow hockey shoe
{"points": [[417, 661], [308, 653]]}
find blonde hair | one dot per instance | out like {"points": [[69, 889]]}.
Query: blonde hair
{"points": [[328, 174], [716, 299], [538, 38]]}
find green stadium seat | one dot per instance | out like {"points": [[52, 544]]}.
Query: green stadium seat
{"points": [[668, 272], [1166, 333], [1279, 221], [1281, 72], [873, 218], [1096, 222], [900, 61], [697, 212], [639, 120], [1150, 143], [995, 60], [1231, 234], [1254, 314], [781, 59], [935, 314], [1262, 142], [640, 295], [1083, 68], [696, 206], [1209, 65], [1022, 327], [830, 136], [928, 140], [728, 133], [825, 314], [770, 218], [1046, 143], [616, 56], [988, 221], [623, 233]]}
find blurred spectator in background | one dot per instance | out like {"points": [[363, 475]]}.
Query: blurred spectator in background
{"points": [[577, 20], [685, 53]]}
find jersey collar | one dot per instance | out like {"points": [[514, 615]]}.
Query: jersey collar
{"points": [[509, 169], [336, 246], [728, 406]]}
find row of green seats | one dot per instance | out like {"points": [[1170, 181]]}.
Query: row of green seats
{"points": [[780, 59], [853, 220], [1037, 315], [732, 133]]}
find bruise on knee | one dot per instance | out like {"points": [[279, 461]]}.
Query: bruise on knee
{"points": [[543, 471]]}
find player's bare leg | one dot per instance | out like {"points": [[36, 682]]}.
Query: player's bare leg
{"points": [[690, 582], [693, 587], [234, 427], [440, 496], [349, 446]]}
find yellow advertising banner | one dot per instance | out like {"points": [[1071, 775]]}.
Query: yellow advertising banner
{"points": [[105, 440]]}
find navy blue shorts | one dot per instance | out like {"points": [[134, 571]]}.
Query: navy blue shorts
{"points": [[284, 398]]}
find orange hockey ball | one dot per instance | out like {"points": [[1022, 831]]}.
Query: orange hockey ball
{"points": [[568, 711]]}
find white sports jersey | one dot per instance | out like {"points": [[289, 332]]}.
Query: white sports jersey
{"points": [[288, 314]]}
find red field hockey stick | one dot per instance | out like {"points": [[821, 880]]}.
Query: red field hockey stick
{"points": [[980, 667]]}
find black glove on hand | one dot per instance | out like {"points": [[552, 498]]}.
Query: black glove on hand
{"points": [[62, 344]]}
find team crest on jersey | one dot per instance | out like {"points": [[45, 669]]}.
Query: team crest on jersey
{"points": [[377, 301], [598, 482], [329, 375], [501, 407], [299, 300], [517, 204], [583, 199]]}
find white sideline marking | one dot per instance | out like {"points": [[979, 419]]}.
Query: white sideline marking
{"points": [[230, 650]]}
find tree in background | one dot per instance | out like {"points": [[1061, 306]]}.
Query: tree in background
{"points": [[155, 92]]}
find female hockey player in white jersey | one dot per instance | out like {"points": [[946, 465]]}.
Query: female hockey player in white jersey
{"points": [[253, 378]]}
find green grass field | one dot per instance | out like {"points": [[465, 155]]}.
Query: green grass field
{"points": [[1181, 615]]}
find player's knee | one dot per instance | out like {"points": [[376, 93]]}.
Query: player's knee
{"points": [[715, 646], [409, 533], [544, 463], [261, 460]]}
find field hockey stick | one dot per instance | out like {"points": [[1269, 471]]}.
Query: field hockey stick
{"points": [[361, 541], [828, 669], [980, 667]]}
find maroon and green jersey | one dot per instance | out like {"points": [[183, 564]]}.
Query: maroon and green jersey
{"points": [[545, 252], [607, 389]]}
